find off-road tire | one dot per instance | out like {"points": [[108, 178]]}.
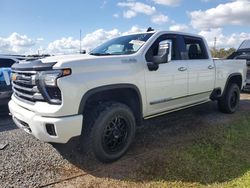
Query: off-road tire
{"points": [[98, 120], [229, 102]]}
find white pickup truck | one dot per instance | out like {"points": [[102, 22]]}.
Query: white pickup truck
{"points": [[104, 95]]}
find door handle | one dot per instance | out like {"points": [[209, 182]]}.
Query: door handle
{"points": [[182, 69], [210, 67]]}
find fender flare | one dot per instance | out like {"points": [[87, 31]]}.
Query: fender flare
{"points": [[93, 91], [228, 80]]}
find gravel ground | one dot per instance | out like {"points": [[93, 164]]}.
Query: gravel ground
{"points": [[27, 162]]}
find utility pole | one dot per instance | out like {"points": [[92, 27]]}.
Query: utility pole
{"points": [[215, 41], [80, 41]]}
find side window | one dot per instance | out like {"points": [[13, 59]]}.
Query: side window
{"points": [[153, 50], [6, 62], [195, 48]]}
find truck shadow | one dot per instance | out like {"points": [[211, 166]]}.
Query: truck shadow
{"points": [[183, 146]]}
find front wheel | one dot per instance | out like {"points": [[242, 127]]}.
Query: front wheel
{"points": [[229, 102], [113, 131]]}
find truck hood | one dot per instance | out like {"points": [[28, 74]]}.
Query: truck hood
{"points": [[69, 61], [48, 62], [67, 58]]}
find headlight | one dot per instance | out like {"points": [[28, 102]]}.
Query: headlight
{"points": [[47, 83], [49, 78]]}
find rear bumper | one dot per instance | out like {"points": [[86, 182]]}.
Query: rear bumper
{"points": [[63, 128]]}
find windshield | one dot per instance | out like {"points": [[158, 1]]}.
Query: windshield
{"points": [[122, 45]]}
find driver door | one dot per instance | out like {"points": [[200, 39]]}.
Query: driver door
{"points": [[167, 87]]}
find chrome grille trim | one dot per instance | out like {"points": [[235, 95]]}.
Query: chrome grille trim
{"points": [[24, 72], [25, 87], [20, 94]]}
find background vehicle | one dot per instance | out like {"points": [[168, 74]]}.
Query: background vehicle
{"points": [[103, 96], [243, 52], [6, 61]]}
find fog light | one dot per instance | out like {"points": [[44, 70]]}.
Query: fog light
{"points": [[50, 129]]}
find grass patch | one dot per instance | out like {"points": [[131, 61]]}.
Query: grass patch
{"points": [[218, 157]]}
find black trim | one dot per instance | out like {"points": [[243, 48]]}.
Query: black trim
{"points": [[175, 109], [106, 88], [228, 80], [167, 100], [36, 65], [160, 101], [216, 94], [42, 88], [152, 66]]}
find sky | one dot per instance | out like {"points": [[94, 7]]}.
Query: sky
{"points": [[43, 26]]}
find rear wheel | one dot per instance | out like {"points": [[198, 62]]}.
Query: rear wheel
{"points": [[229, 102], [112, 131]]}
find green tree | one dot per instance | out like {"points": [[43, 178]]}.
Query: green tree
{"points": [[222, 52]]}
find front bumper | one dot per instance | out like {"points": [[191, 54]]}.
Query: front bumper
{"points": [[64, 127]]}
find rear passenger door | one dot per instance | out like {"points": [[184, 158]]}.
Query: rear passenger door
{"points": [[201, 70]]}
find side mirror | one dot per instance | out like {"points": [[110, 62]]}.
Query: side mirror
{"points": [[164, 52]]}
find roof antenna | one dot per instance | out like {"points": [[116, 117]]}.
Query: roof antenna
{"points": [[80, 41], [150, 29]]}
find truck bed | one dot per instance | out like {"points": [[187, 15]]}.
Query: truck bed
{"points": [[233, 66]]}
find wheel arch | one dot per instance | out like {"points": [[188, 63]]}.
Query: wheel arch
{"points": [[233, 78], [128, 94]]}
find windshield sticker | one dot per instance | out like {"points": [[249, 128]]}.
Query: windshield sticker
{"points": [[137, 42]]}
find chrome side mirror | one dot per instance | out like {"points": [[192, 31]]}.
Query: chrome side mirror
{"points": [[164, 52]]}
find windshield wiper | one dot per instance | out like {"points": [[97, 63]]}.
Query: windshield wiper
{"points": [[100, 54]]}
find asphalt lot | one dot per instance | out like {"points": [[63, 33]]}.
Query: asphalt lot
{"points": [[27, 162]]}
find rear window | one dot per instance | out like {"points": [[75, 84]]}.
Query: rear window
{"points": [[6, 62], [196, 48]]}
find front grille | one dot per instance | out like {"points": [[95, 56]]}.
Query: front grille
{"points": [[25, 87]]}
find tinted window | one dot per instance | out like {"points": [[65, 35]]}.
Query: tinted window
{"points": [[195, 48], [6, 62], [153, 50]]}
